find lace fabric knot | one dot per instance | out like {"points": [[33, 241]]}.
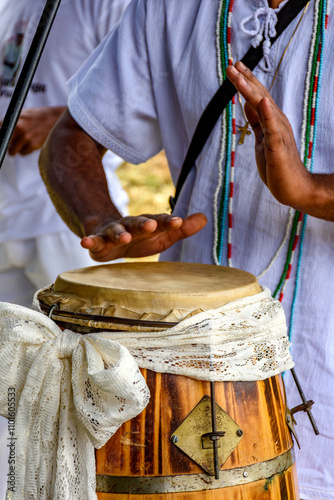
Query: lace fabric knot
{"points": [[65, 343], [261, 25]]}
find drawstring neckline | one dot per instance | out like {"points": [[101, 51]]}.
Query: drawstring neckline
{"points": [[263, 26]]}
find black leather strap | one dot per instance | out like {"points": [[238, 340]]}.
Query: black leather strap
{"points": [[225, 93]]}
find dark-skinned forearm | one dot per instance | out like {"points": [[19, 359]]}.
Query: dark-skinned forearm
{"points": [[318, 200], [71, 167]]}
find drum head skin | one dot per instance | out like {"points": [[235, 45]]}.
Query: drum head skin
{"points": [[165, 291]]}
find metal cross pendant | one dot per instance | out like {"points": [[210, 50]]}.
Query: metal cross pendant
{"points": [[244, 131]]}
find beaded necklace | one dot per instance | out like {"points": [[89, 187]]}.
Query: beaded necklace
{"points": [[228, 142], [223, 199]]}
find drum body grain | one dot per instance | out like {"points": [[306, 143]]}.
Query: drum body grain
{"points": [[140, 462], [142, 446]]}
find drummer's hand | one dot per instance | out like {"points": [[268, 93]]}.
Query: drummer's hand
{"points": [[140, 236], [32, 129], [276, 152]]}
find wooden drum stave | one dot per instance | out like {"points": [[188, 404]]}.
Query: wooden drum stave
{"points": [[140, 461]]}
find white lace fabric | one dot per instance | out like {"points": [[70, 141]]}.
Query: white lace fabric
{"points": [[73, 391], [244, 340]]}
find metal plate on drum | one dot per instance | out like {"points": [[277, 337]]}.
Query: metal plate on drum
{"points": [[189, 436]]}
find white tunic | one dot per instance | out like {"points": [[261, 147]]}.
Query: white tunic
{"points": [[145, 89]]}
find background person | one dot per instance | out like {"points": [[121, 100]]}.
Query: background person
{"points": [[35, 244]]}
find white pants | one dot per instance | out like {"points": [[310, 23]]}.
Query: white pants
{"points": [[25, 267]]}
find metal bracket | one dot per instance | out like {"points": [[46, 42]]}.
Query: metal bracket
{"points": [[302, 407], [290, 421], [305, 406], [209, 438]]}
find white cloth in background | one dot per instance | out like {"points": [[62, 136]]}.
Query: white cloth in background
{"points": [[73, 391], [26, 265], [163, 85]]}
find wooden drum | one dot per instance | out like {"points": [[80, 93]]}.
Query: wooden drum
{"points": [[148, 457]]}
